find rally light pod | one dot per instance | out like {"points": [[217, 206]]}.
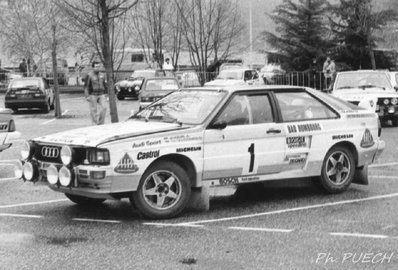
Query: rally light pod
{"points": [[66, 176], [18, 169], [52, 175], [30, 171]]}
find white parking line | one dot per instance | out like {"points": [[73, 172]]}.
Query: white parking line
{"points": [[19, 215], [32, 203], [52, 120], [97, 220], [172, 224], [294, 209], [378, 236], [260, 229], [8, 179], [384, 176], [383, 165]]}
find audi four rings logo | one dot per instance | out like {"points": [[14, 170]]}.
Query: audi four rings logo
{"points": [[50, 152]]}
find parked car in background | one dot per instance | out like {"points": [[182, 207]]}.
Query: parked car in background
{"points": [[239, 76], [29, 92], [45, 69], [208, 137], [131, 87], [269, 73], [155, 88], [370, 89], [7, 129], [187, 78]]}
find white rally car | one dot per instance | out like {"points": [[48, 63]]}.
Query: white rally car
{"points": [[200, 137], [371, 89]]}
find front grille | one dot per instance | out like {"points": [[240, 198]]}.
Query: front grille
{"points": [[48, 153]]}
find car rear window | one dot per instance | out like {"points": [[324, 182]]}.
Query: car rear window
{"points": [[158, 85], [24, 83]]}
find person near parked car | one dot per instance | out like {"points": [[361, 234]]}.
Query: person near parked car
{"points": [[95, 92], [23, 68], [329, 71]]}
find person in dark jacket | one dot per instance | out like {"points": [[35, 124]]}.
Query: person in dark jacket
{"points": [[23, 68], [95, 92]]}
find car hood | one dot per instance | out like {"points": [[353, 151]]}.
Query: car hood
{"points": [[358, 94], [220, 82], [96, 135]]}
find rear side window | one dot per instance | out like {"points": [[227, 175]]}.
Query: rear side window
{"points": [[301, 106]]}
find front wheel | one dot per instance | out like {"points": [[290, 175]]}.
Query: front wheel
{"points": [[337, 170], [163, 192], [84, 201]]}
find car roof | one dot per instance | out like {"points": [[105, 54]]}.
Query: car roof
{"points": [[28, 78], [238, 69], [364, 71]]}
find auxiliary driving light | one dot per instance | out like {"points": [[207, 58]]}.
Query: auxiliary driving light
{"points": [[386, 101], [26, 150], [29, 171], [66, 155], [394, 101], [52, 175], [391, 109], [18, 169], [65, 176]]}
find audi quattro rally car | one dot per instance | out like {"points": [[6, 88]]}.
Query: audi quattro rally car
{"points": [[370, 89], [200, 137]]}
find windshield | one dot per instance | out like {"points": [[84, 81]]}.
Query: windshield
{"points": [[24, 83], [363, 80], [230, 75], [186, 107], [159, 85], [143, 73]]}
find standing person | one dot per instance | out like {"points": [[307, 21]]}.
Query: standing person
{"points": [[23, 68], [167, 65], [95, 91], [329, 71]]}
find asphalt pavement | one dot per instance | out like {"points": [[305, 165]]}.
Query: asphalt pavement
{"points": [[274, 228]]}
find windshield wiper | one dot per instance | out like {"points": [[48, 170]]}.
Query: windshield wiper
{"points": [[345, 87]]}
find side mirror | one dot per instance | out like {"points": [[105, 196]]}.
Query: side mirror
{"points": [[219, 124]]}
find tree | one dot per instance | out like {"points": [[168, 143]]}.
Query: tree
{"points": [[209, 28], [355, 26], [301, 33], [96, 20]]}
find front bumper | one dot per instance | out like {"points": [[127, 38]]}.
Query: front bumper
{"points": [[25, 103]]}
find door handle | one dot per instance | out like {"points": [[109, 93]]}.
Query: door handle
{"points": [[271, 130]]}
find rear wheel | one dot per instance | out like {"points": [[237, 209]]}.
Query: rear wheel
{"points": [[163, 192], [84, 201], [337, 170]]}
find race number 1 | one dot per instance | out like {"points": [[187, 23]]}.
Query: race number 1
{"points": [[252, 156]]}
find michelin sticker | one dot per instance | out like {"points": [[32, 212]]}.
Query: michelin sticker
{"points": [[126, 165]]}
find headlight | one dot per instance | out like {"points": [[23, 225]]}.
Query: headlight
{"points": [[98, 156], [391, 109], [52, 175], [66, 155], [386, 101], [18, 169], [29, 171], [27, 150], [394, 101], [65, 176]]}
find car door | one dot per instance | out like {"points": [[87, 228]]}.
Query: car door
{"points": [[244, 141]]}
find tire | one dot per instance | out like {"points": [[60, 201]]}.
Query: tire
{"points": [[84, 201], [395, 121], [163, 192], [47, 107], [338, 170]]}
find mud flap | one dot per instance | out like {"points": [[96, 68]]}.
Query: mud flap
{"points": [[200, 199], [361, 176]]}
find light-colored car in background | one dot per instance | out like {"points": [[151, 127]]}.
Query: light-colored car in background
{"points": [[240, 76], [7, 129], [371, 89], [155, 88], [187, 78], [270, 72]]}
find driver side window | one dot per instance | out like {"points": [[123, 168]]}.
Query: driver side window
{"points": [[236, 112]]}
